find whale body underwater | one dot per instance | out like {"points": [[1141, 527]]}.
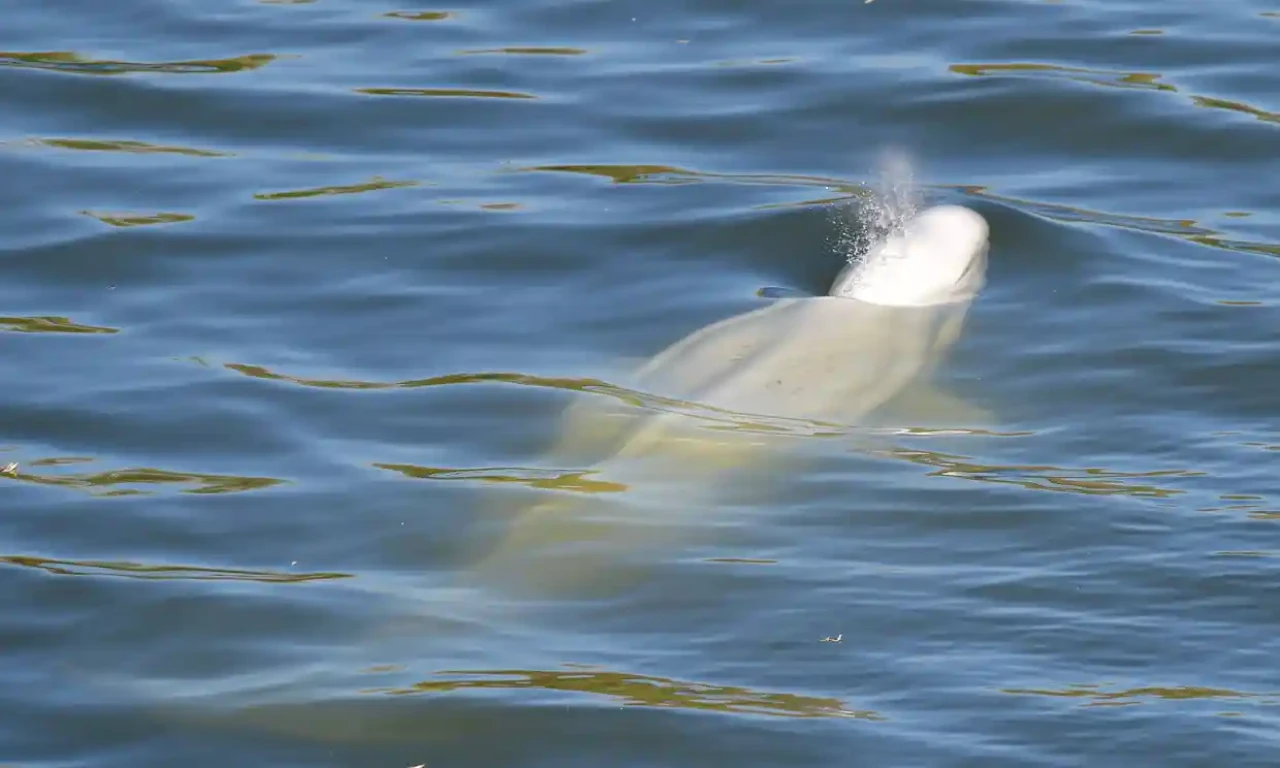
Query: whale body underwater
{"points": [[835, 359]]}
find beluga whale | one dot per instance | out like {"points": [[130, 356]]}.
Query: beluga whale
{"points": [[718, 405]]}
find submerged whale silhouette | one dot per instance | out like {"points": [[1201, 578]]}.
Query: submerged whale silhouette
{"points": [[831, 359]]}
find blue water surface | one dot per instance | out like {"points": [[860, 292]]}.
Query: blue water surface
{"points": [[295, 293]]}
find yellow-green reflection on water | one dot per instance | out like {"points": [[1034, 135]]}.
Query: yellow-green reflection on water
{"points": [[452, 93], [641, 691], [1095, 696], [138, 219], [626, 174], [525, 51], [421, 15], [756, 62], [117, 482], [1265, 515], [124, 145], [1089, 480], [131, 570], [373, 185], [1109, 78], [712, 418], [665, 174], [50, 324], [1236, 106], [384, 716], [581, 385], [72, 62], [534, 478], [669, 174], [502, 207]]}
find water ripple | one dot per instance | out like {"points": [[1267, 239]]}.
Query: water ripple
{"points": [[128, 146], [123, 219], [561, 480], [261, 372], [1107, 78], [1186, 229], [668, 174], [1110, 79], [117, 482], [640, 691], [73, 63], [133, 570], [450, 93], [421, 15], [1095, 696], [373, 185], [525, 51], [1091, 481], [720, 417]]}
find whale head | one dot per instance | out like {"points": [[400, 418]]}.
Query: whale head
{"points": [[938, 257]]}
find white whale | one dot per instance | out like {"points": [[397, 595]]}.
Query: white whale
{"points": [[720, 392]]}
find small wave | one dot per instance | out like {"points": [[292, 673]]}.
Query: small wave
{"points": [[375, 184], [525, 51], [1097, 696], [1186, 229], [133, 570], [126, 219], [135, 481], [560, 480], [1089, 481], [73, 63], [421, 15], [639, 691], [128, 146], [1112, 79], [451, 93]]}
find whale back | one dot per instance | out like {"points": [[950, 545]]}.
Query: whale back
{"points": [[704, 417], [939, 257], [820, 358]]}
